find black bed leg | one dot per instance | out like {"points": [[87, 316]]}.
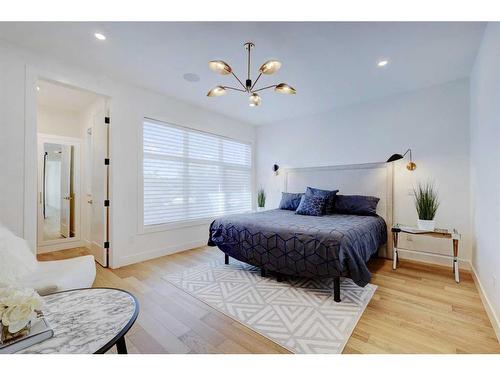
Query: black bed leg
{"points": [[226, 258], [263, 272], [336, 289], [279, 277]]}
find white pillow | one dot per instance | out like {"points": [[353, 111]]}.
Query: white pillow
{"points": [[16, 259]]}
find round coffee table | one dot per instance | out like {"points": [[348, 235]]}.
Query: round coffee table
{"points": [[87, 321]]}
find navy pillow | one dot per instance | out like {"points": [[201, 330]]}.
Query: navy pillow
{"points": [[312, 205], [356, 205], [329, 195], [290, 201]]}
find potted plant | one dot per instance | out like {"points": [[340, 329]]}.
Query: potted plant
{"points": [[426, 203], [261, 199]]}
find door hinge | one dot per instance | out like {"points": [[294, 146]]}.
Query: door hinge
{"points": [[106, 161], [106, 245], [106, 120], [106, 203]]}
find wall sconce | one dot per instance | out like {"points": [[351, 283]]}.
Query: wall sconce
{"points": [[411, 166], [276, 168]]}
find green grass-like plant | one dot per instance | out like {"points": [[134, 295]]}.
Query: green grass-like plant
{"points": [[426, 201], [261, 198]]}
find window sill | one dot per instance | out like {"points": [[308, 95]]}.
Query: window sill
{"points": [[175, 225], [179, 224]]}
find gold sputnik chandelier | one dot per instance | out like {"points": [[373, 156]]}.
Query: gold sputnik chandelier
{"points": [[254, 100]]}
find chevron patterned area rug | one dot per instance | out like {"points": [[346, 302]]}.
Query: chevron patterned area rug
{"points": [[298, 314]]}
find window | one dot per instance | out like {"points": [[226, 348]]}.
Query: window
{"points": [[191, 175]]}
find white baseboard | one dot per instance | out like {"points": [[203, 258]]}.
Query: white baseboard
{"points": [[141, 257], [432, 259], [495, 322], [59, 246]]}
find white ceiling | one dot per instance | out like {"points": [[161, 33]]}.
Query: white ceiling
{"points": [[330, 64], [56, 96]]}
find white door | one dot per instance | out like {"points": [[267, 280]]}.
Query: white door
{"points": [[99, 188], [65, 190]]}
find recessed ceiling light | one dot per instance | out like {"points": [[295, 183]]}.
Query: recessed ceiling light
{"points": [[100, 36], [38, 88], [191, 77], [382, 63]]}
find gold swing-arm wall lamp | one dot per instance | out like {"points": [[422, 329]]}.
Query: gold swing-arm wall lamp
{"points": [[411, 166]]}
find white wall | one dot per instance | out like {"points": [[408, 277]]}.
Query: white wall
{"points": [[433, 122], [129, 104], [58, 122], [485, 157], [11, 143]]}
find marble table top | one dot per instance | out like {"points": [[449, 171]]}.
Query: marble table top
{"points": [[85, 320]]}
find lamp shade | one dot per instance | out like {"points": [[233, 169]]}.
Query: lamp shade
{"points": [[283, 88], [220, 67], [395, 157], [254, 100], [270, 67], [217, 91]]}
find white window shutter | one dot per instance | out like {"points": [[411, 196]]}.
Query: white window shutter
{"points": [[191, 175]]}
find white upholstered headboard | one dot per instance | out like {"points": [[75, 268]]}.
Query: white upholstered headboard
{"points": [[375, 179]]}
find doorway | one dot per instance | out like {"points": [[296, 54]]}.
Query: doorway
{"points": [[72, 189]]}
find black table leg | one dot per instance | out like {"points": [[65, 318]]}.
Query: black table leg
{"points": [[336, 289], [226, 258], [121, 346]]}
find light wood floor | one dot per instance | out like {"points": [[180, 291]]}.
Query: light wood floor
{"points": [[416, 309]]}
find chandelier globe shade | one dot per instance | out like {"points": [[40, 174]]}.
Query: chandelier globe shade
{"points": [[220, 67], [284, 88], [254, 100], [217, 91]]}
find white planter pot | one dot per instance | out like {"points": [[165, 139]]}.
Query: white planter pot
{"points": [[426, 224], [259, 209]]}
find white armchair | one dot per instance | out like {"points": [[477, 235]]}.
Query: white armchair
{"points": [[18, 266]]}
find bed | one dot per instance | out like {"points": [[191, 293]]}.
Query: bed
{"points": [[285, 243]]}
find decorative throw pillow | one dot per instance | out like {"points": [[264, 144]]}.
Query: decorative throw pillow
{"points": [[290, 201], [329, 196], [311, 205], [356, 205]]}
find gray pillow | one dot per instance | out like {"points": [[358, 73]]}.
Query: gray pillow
{"points": [[290, 201], [329, 196], [311, 205], [356, 205]]}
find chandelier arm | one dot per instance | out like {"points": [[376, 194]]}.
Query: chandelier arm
{"points": [[251, 88], [234, 88], [265, 88], [241, 83]]}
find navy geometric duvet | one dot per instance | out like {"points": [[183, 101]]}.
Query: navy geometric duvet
{"points": [[298, 245]]}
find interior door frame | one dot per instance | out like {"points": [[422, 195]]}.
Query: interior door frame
{"points": [[71, 79], [51, 245]]}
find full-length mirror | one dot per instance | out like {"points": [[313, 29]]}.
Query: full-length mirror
{"points": [[58, 191]]}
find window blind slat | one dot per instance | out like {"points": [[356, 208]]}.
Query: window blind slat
{"points": [[190, 175]]}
